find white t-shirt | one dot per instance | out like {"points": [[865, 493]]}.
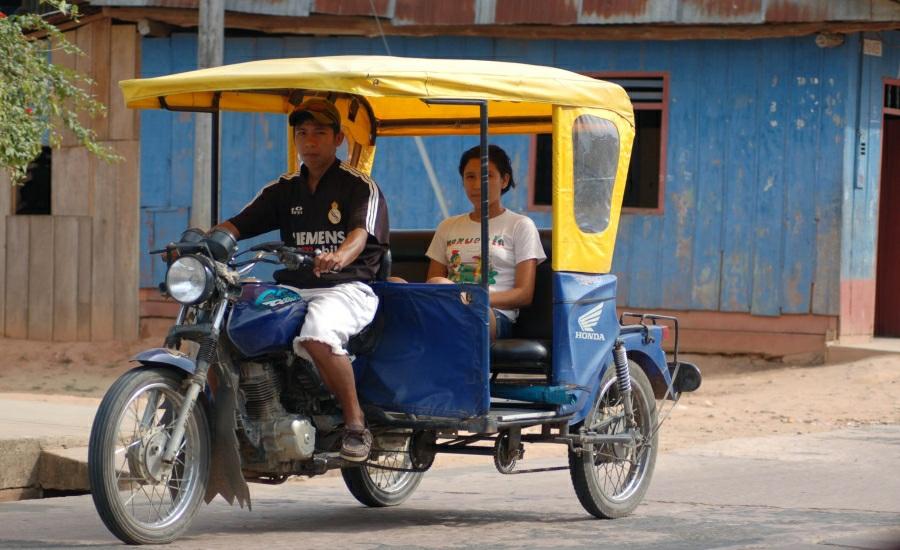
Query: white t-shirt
{"points": [[514, 239]]}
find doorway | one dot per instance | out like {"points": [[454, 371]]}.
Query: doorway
{"points": [[887, 281]]}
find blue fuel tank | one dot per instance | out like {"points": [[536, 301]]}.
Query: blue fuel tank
{"points": [[265, 319]]}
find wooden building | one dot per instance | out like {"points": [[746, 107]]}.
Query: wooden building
{"points": [[753, 208], [73, 274]]}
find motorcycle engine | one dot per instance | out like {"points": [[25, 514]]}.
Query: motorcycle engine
{"points": [[278, 436]]}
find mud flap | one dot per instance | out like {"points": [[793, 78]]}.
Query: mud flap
{"points": [[225, 475]]}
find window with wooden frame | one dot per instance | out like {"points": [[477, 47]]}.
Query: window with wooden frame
{"points": [[33, 196], [892, 96], [645, 187]]}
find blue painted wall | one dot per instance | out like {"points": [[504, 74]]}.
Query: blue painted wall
{"points": [[757, 162], [862, 163]]}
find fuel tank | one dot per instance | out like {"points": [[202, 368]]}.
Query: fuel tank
{"points": [[265, 319]]}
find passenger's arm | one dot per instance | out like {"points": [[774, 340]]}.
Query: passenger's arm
{"points": [[436, 269], [352, 246], [521, 294]]}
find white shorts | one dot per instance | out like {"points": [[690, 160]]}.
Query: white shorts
{"points": [[335, 314]]}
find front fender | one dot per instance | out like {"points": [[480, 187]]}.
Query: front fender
{"points": [[165, 357]]}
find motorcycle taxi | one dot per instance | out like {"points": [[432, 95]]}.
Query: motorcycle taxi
{"points": [[225, 401]]}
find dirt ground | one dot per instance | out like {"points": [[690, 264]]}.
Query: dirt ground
{"points": [[740, 396]]}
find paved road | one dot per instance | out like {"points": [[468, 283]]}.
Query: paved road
{"points": [[823, 491]]}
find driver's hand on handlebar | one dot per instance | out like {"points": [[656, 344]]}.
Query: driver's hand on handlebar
{"points": [[328, 262]]}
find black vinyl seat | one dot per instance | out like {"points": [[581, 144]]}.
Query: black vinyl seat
{"points": [[529, 351], [515, 350]]}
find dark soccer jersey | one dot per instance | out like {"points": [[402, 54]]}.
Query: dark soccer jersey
{"points": [[345, 199]]}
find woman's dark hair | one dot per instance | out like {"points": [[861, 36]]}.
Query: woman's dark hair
{"points": [[497, 156]]}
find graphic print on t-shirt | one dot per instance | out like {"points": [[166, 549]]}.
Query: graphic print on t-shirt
{"points": [[513, 239], [460, 271]]}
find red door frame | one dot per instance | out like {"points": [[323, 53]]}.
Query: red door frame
{"points": [[887, 269]]}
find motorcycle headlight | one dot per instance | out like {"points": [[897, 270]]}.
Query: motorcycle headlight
{"points": [[190, 280]]}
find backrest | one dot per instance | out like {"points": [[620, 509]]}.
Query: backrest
{"points": [[408, 261], [535, 322], [384, 267]]}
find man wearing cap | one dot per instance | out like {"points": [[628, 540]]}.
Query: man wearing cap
{"points": [[330, 209]]}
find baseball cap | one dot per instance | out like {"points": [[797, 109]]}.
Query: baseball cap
{"points": [[320, 110]]}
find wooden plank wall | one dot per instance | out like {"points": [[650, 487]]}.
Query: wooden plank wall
{"points": [[73, 275]]}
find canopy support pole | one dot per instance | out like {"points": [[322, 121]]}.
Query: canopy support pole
{"points": [[214, 167], [485, 216]]}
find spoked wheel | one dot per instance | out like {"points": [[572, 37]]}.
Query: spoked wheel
{"points": [[384, 483], [611, 479], [137, 501]]}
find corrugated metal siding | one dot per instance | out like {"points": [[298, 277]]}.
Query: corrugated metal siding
{"points": [[295, 8], [562, 12], [756, 162], [383, 8]]}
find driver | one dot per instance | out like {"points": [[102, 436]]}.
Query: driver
{"points": [[330, 209]]}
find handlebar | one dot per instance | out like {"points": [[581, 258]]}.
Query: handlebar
{"points": [[287, 256], [284, 255]]}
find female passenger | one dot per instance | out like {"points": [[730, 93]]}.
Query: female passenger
{"points": [[515, 246]]}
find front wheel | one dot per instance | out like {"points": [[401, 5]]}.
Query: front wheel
{"points": [[387, 481], [611, 479], [137, 501]]}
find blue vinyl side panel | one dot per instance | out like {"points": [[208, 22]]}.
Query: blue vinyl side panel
{"points": [[584, 317], [430, 359]]}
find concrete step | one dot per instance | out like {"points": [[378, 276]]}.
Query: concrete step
{"points": [[36, 468], [848, 350], [64, 469]]}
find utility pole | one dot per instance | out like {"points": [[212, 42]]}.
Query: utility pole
{"points": [[210, 44]]}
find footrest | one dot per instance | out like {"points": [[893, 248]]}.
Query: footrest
{"points": [[553, 395]]}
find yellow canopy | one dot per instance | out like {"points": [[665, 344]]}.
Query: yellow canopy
{"points": [[390, 89], [385, 96]]}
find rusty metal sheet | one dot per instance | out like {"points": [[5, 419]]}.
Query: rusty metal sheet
{"points": [[561, 12], [416, 12], [383, 8], [594, 12], [293, 8], [546, 12], [793, 11], [712, 12]]}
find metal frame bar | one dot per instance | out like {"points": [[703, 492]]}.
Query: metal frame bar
{"points": [[214, 146]]}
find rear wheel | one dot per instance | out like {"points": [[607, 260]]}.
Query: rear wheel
{"points": [[611, 479], [384, 483], [137, 501]]}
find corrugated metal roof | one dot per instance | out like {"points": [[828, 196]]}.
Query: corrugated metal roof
{"points": [[293, 8], [405, 13]]}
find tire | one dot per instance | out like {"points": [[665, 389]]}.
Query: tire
{"points": [[378, 487], [611, 480], [121, 456]]}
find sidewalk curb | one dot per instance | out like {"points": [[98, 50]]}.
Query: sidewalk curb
{"points": [[30, 467]]}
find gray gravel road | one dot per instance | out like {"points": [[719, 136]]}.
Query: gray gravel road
{"points": [[828, 490]]}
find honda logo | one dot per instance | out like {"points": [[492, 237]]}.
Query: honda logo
{"points": [[588, 321]]}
